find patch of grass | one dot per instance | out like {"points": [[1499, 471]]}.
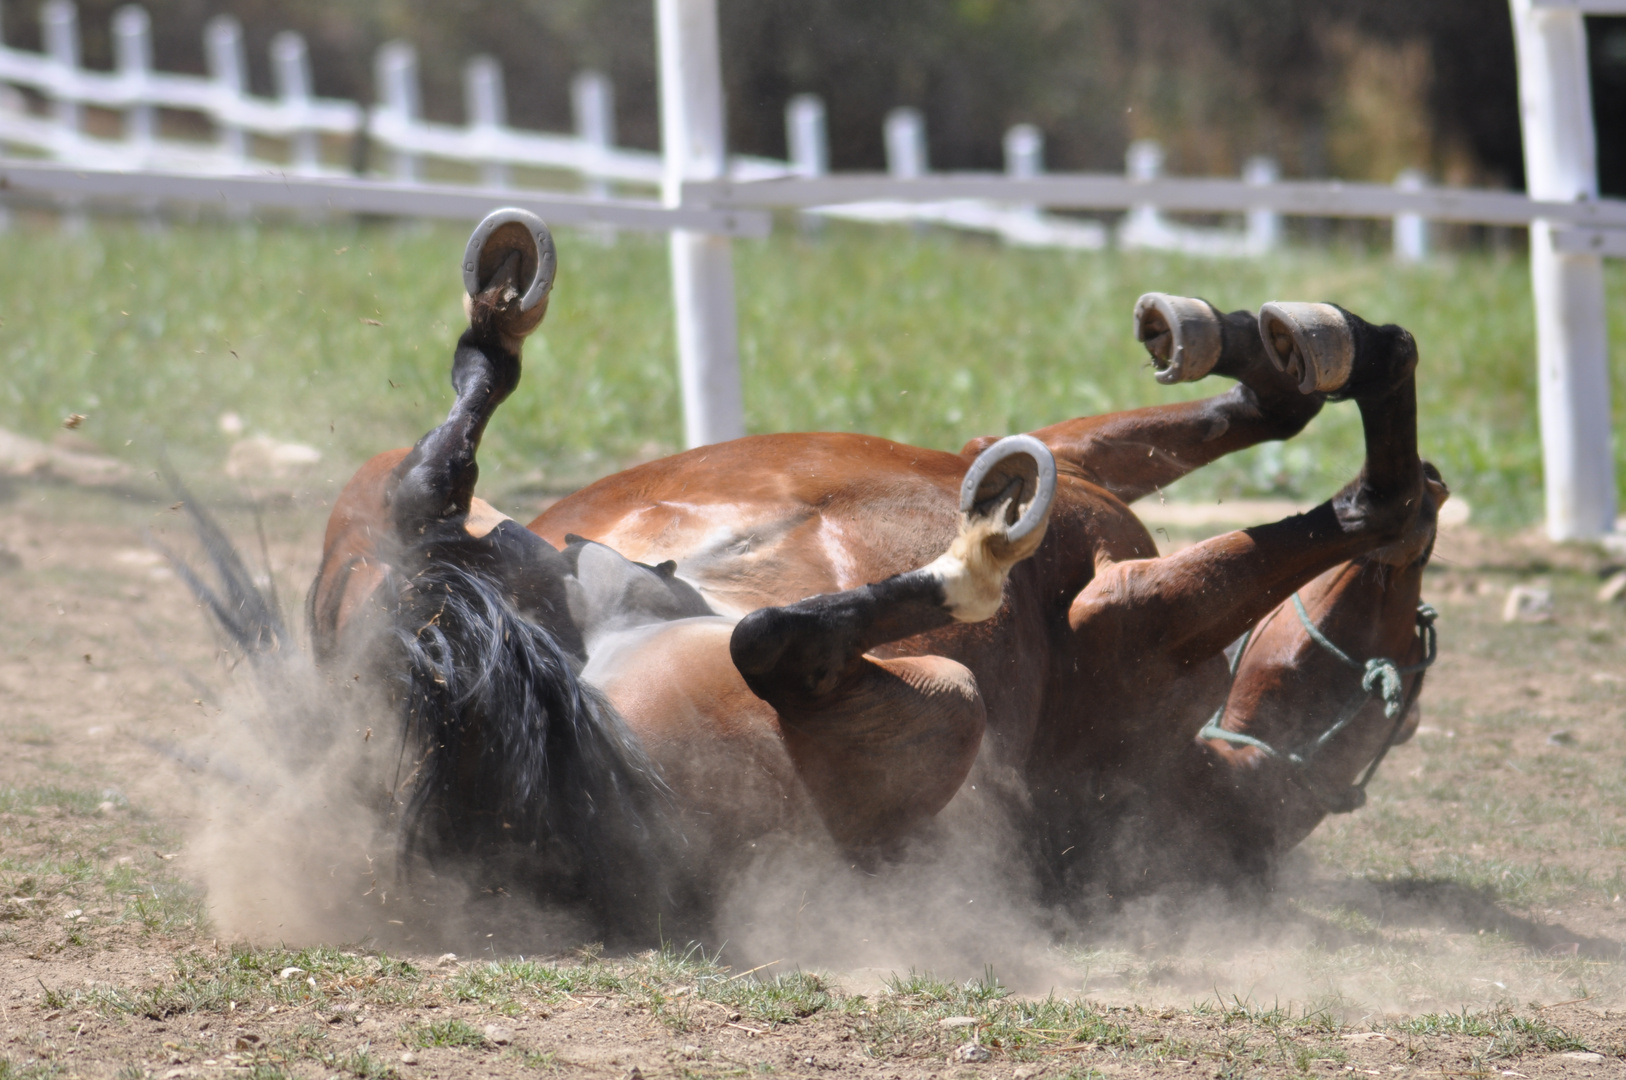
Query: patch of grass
{"points": [[80, 802], [215, 982], [260, 1070], [930, 340], [34, 735], [1511, 1034], [359, 1063], [168, 907], [539, 1059], [453, 1032], [33, 1070], [309, 1042]]}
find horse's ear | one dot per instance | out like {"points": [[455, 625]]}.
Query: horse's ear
{"points": [[667, 569], [572, 538]]}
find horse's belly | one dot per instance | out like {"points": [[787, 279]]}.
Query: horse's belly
{"points": [[718, 745]]}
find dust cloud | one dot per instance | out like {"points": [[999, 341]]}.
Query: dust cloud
{"points": [[296, 838], [296, 843]]}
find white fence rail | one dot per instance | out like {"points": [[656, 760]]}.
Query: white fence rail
{"points": [[708, 196]]}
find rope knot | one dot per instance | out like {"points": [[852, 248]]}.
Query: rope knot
{"points": [[1382, 678]]}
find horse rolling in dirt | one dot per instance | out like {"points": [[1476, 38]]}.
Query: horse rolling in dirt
{"points": [[828, 633]]}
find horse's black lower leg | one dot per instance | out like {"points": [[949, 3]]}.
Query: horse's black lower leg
{"points": [[806, 651], [1333, 351], [436, 480], [1138, 451]]}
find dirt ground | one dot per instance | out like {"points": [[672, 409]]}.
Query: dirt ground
{"points": [[1469, 922]]}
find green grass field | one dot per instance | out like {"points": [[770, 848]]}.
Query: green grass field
{"points": [[927, 339]]}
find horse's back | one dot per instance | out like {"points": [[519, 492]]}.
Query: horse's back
{"points": [[770, 519]]}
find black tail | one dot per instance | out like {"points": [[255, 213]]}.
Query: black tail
{"points": [[513, 772], [251, 619], [519, 771]]}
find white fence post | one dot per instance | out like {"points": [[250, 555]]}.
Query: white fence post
{"points": [[694, 148], [1264, 225], [1572, 340], [905, 133], [592, 105], [1144, 161], [395, 70], [10, 101], [291, 71], [807, 138], [228, 66], [132, 55], [132, 52], [485, 105], [59, 26], [1410, 230], [1024, 152], [1024, 159], [807, 144]]}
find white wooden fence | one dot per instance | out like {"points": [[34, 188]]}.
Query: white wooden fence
{"points": [[707, 196]]}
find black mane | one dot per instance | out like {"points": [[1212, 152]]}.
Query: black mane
{"points": [[515, 769]]}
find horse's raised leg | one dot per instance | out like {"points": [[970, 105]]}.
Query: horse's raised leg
{"points": [[1135, 452], [1184, 608], [883, 743], [510, 273], [1309, 716], [400, 498], [1149, 636]]}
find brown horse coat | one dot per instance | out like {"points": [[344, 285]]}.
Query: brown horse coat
{"points": [[820, 679]]}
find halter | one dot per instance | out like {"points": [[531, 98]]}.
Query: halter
{"points": [[1380, 677]]}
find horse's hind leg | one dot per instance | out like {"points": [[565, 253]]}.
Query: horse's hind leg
{"points": [[1135, 452], [435, 482], [400, 497], [1184, 608], [883, 743], [1237, 806]]}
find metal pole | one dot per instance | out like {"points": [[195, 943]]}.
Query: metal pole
{"points": [[692, 138], [1143, 226], [1024, 152], [1024, 159], [132, 53], [1572, 341]]}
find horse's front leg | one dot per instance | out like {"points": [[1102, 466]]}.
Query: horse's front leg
{"points": [[1157, 617], [1325, 685], [1138, 451], [882, 744]]}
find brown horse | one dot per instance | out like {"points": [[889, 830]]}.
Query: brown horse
{"points": [[828, 633]]}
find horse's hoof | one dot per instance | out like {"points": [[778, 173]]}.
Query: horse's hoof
{"points": [[1181, 333], [1004, 511], [508, 270], [1313, 344], [1015, 476], [503, 234]]}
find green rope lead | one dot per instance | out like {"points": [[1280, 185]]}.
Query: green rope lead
{"points": [[1380, 677]]}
